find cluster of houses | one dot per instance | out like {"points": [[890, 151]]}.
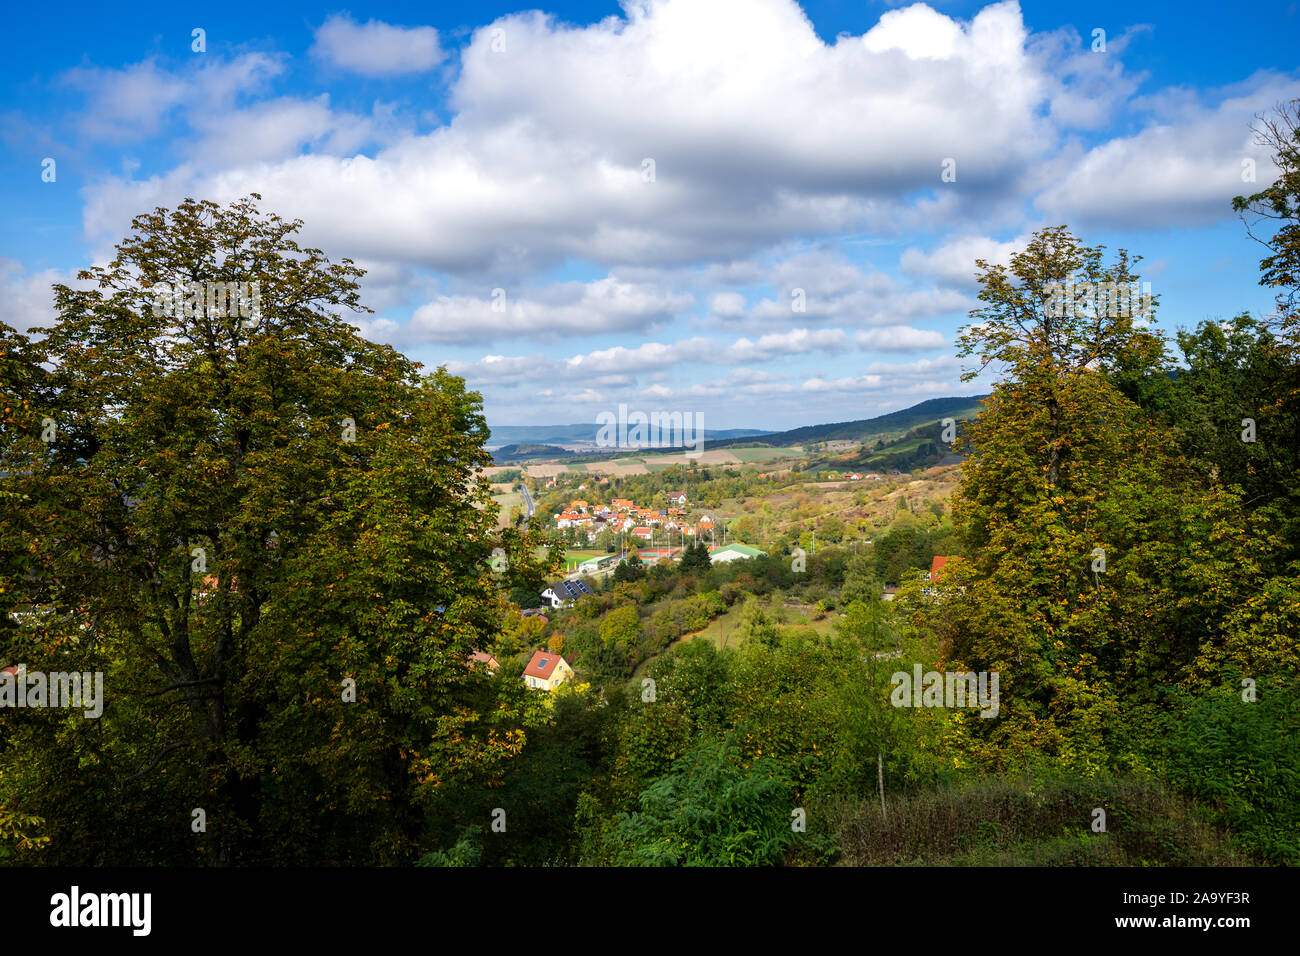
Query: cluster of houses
{"points": [[545, 670], [624, 515]]}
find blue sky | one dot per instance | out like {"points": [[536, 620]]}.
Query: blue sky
{"points": [[597, 203]]}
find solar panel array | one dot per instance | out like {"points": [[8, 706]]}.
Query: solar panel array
{"points": [[574, 589]]}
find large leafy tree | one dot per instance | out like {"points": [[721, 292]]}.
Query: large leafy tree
{"points": [[1098, 557], [267, 532]]}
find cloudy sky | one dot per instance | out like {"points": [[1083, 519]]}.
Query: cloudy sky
{"points": [[734, 207]]}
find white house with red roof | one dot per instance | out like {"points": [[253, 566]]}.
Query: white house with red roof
{"points": [[546, 671]]}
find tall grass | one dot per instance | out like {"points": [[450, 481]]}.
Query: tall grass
{"points": [[1001, 821]]}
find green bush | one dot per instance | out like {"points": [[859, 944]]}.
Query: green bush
{"points": [[711, 809], [1242, 760]]}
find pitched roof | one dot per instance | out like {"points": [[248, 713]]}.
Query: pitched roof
{"points": [[571, 589], [542, 665], [940, 560], [745, 549]]}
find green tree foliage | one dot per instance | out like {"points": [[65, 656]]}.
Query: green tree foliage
{"points": [[1241, 759], [1064, 464], [240, 521], [629, 569], [712, 809], [695, 557], [756, 625], [620, 628], [1234, 409]]}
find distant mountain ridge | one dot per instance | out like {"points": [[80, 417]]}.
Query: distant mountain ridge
{"points": [[889, 426], [903, 420]]}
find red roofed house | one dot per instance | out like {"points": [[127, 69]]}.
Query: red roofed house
{"points": [[936, 566], [546, 671], [481, 659], [939, 561]]}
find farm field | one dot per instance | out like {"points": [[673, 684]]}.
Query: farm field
{"points": [[748, 455], [715, 457], [507, 500], [621, 467]]}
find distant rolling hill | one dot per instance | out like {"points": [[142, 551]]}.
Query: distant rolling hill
{"points": [[894, 423], [525, 451], [891, 428]]}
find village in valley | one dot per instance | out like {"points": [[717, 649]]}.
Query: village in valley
{"points": [[770, 528], [655, 533]]}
